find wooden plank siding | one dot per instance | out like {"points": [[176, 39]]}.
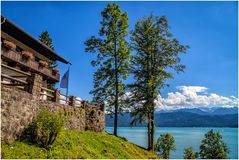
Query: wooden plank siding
{"points": [[34, 66]]}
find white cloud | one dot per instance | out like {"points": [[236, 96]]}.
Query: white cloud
{"points": [[78, 98], [194, 97]]}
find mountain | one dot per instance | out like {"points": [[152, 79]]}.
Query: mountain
{"points": [[223, 111], [205, 111], [181, 119], [191, 110]]}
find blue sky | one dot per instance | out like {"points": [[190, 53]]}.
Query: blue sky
{"points": [[209, 28]]}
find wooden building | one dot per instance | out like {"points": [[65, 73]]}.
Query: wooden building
{"points": [[22, 55]]}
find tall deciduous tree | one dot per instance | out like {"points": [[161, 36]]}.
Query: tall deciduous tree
{"points": [[112, 61], [213, 147], [156, 57], [46, 39]]}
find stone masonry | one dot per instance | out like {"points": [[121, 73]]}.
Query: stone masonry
{"points": [[18, 108]]}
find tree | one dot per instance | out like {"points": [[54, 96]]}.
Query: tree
{"points": [[190, 154], [165, 144], [46, 39], [212, 146], [113, 54], [156, 57]]}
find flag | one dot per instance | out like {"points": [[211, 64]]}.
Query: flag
{"points": [[64, 80]]}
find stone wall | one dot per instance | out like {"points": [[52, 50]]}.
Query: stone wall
{"points": [[17, 111], [76, 116], [18, 108], [95, 119]]}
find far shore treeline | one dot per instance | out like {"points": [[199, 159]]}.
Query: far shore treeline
{"points": [[181, 119]]}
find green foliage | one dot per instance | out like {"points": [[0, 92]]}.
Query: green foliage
{"points": [[165, 144], [77, 145], [112, 60], [155, 60], [213, 147], [46, 39], [190, 154], [46, 126], [71, 111]]}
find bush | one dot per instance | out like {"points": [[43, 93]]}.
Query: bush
{"points": [[190, 154], [46, 127]]}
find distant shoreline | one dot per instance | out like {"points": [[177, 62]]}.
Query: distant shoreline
{"points": [[175, 127], [181, 119]]}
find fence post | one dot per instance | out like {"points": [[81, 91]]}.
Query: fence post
{"points": [[102, 107], [56, 96], [72, 101], [83, 104]]}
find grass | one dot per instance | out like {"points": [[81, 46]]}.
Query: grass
{"points": [[73, 144]]}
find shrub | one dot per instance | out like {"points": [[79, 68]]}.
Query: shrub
{"points": [[46, 127], [190, 154]]}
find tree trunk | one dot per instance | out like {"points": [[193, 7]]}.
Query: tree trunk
{"points": [[152, 131], [149, 130], [116, 92], [116, 113]]}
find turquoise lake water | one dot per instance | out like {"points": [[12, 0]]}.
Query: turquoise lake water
{"points": [[184, 137]]}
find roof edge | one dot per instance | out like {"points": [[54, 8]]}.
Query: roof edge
{"points": [[58, 57]]}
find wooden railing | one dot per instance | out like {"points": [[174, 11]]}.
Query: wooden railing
{"points": [[78, 103], [33, 65], [47, 94], [72, 101], [16, 79], [64, 99]]}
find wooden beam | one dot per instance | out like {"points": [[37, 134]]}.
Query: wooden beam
{"points": [[64, 100], [15, 79], [20, 87], [45, 94], [46, 89], [14, 69], [18, 76], [77, 100], [10, 84], [64, 95]]}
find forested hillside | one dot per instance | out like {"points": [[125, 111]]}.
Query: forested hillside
{"points": [[182, 119]]}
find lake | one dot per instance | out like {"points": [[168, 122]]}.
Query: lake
{"points": [[184, 137]]}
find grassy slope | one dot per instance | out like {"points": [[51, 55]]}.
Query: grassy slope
{"points": [[72, 144]]}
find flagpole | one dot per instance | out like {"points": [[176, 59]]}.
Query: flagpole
{"points": [[68, 83]]}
